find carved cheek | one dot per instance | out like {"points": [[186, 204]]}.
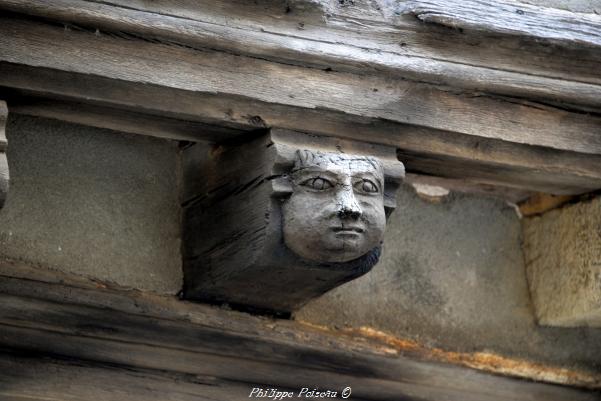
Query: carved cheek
{"points": [[374, 215]]}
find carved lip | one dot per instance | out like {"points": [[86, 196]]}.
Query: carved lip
{"points": [[348, 230]]}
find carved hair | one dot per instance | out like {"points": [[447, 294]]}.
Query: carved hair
{"points": [[307, 158]]}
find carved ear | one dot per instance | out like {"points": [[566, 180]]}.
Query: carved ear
{"points": [[394, 173], [4, 176]]}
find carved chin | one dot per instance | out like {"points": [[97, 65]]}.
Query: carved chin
{"points": [[329, 247]]}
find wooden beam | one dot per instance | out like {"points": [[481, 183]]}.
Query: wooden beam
{"points": [[133, 86], [508, 194], [504, 17], [355, 39], [125, 120], [540, 203], [41, 378], [182, 115], [4, 172], [141, 332], [554, 171], [514, 176], [249, 80], [238, 200]]}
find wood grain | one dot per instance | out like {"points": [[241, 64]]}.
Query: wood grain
{"points": [[34, 378], [143, 62], [345, 69], [508, 194], [358, 42], [233, 215], [4, 171], [124, 120], [180, 118], [166, 339], [511, 18]]}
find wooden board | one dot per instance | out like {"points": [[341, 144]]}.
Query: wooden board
{"points": [[233, 248], [511, 18], [552, 169], [250, 80], [35, 378], [510, 195], [124, 120], [4, 172], [345, 69], [345, 36], [166, 339]]}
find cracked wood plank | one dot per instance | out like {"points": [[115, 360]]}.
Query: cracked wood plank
{"points": [[143, 63], [540, 169], [4, 172], [87, 322], [34, 378], [402, 49], [123, 120], [511, 18], [243, 93]]}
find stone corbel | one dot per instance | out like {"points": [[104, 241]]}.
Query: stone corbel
{"points": [[4, 176], [275, 222]]}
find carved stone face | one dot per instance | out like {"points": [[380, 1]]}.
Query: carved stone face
{"points": [[336, 210]]}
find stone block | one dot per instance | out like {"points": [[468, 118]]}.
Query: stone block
{"points": [[562, 249]]}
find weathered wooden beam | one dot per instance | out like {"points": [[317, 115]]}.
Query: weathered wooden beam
{"points": [[4, 172], [557, 170], [508, 194], [167, 338], [124, 120], [26, 376], [356, 39], [514, 175], [186, 116], [142, 63], [562, 249], [508, 17], [540, 203], [271, 223]]}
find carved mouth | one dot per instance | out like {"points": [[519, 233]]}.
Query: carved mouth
{"points": [[348, 230]]}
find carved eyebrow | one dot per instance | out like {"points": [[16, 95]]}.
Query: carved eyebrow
{"points": [[317, 172]]}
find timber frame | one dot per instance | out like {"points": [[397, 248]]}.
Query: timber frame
{"points": [[480, 95], [233, 248], [4, 171], [153, 347], [510, 100]]}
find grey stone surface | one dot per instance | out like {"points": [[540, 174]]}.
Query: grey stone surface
{"points": [[452, 276], [563, 263], [93, 202]]}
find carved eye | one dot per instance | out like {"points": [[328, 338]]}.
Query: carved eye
{"points": [[319, 184], [366, 186]]}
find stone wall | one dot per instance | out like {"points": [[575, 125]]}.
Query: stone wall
{"points": [[93, 202], [453, 276], [105, 205]]}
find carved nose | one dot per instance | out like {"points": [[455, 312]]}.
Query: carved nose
{"points": [[349, 207], [349, 213]]}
